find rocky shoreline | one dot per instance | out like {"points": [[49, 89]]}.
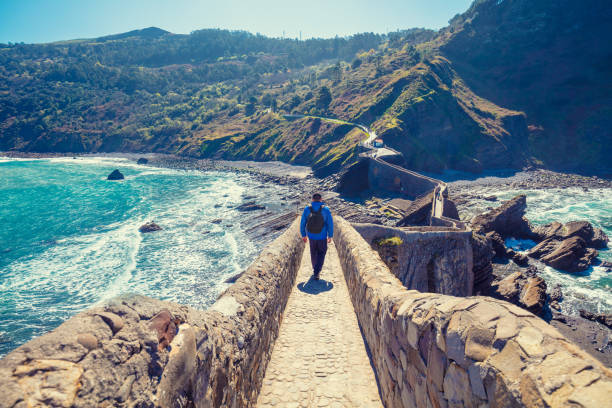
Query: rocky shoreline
{"points": [[517, 276], [265, 225]]}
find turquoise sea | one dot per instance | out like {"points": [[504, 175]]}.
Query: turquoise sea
{"points": [[69, 238]]}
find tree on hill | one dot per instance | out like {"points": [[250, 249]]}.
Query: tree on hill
{"points": [[324, 98]]}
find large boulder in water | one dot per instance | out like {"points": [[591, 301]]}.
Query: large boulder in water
{"points": [[115, 175], [250, 206], [142, 160], [508, 220], [149, 227], [571, 254], [593, 237]]}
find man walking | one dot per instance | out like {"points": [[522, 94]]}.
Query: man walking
{"points": [[317, 226]]}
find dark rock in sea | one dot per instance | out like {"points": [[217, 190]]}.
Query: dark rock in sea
{"points": [[115, 175], [149, 227], [418, 212], [218, 205], [142, 160], [556, 294], [217, 221], [568, 247], [517, 257], [603, 318], [233, 278], [265, 225], [571, 254], [508, 220], [250, 206], [605, 264], [490, 198], [593, 237]]}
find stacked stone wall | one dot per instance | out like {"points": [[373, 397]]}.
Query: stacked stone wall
{"points": [[116, 355], [389, 177], [433, 350], [433, 260]]}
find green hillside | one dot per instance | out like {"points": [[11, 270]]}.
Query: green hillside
{"points": [[479, 94]]}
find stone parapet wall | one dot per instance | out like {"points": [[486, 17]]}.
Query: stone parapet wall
{"points": [[428, 261], [111, 356], [433, 350]]}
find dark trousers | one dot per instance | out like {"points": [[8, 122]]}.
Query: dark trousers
{"points": [[318, 248]]}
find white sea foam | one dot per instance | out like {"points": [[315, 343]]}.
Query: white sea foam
{"points": [[104, 255]]}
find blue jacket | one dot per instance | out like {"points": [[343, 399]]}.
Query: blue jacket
{"points": [[328, 228]]}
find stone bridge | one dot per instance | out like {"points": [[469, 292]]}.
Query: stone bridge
{"points": [[364, 336]]}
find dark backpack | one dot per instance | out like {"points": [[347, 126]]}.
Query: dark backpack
{"points": [[315, 222]]}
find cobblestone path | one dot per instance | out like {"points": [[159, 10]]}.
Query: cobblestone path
{"points": [[319, 358]]}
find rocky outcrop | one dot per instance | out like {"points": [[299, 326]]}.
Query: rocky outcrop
{"points": [[115, 175], [569, 247], [603, 318], [571, 254], [264, 225], [508, 220], [250, 206], [110, 353], [149, 227], [523, 289], [593, 237], [418, 212], [142, 160]]}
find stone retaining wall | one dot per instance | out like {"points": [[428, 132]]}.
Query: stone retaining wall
{"points": [[433, 350], [111, 356], [437, 261], [390, 177]]}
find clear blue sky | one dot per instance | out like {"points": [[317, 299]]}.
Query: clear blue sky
{"points": [[35, 21]]}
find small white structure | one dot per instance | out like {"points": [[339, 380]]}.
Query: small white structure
{"points": [[378, 143]]}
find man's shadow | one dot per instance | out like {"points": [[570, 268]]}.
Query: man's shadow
{"points": [[314, 287]]}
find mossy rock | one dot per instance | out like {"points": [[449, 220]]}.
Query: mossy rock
{"points": [[390, 241]]}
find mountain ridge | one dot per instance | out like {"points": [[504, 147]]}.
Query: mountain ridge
{"points": [[446, 100]]}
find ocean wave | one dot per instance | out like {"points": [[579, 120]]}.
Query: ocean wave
{"points": [[97, 251]]}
